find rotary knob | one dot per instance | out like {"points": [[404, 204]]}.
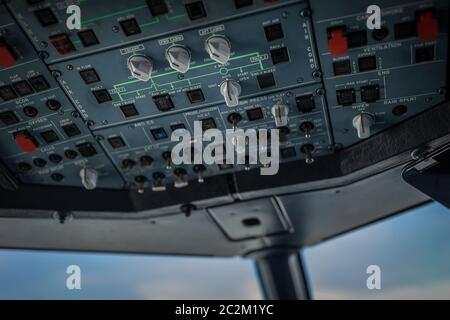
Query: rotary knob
{"points": [[362, 123], [280, 113], [89, 178], [231, 90], [179, 58], [218, 48], [141, 67]]}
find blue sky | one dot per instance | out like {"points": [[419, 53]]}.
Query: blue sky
{"points": [[412, 250]]}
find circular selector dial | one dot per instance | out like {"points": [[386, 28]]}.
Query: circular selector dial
{"points": [[179, 58], [218, 48]]}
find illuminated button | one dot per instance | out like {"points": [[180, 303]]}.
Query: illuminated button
{"points": [[88, 38], [305, 103], [8, 118], [23, 88], [130, 27], [46, 17], [39, 83], [163, 102], [129, 110], [102, 95], [49, 136], [62, 43], [71, 130], [157, 7], [7, 93], [342, 67], [195, 10], [279, 55], [116, 142], [159, 134], [87, 150], [89, 76]]}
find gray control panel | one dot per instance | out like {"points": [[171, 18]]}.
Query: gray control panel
{"points": [[96, 107]]}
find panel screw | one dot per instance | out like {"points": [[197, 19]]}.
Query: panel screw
{"points": [[43, 55], [285, 14], [43, 44], [69, 67], [90, 123], [56, 74], [317, 74], [105, 122], [320, 92], [99, 138], [115, 29], [75, 114], [305, 13]]}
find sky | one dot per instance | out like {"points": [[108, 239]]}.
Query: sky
{"points": [[412, 251]]}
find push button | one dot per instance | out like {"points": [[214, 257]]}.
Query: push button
{"points": [[427, 26]]}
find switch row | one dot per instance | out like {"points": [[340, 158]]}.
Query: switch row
{"points": [[9, 118], [424, 26], [23, 88], [369, 94]]}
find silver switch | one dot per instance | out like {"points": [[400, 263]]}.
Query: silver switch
{"points": [[141, 67], [231, 90], [280, 113], [362, 123], [218, 48], [179, 58], [89, 178]]}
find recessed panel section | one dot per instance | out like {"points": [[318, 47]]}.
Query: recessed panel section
{"points": [[256, 65], [106, 24]]}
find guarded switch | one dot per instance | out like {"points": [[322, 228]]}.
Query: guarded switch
{"points": [[25, 142], [427, 26], [179, 58], [7, 56], [280, 113], [141, 67], [231, 90], [337, 41], [218, 48], [362, 123]]}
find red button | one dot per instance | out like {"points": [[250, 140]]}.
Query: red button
{"points": [[25, 143], [337, 43], [7, 58], [427, 27]]}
